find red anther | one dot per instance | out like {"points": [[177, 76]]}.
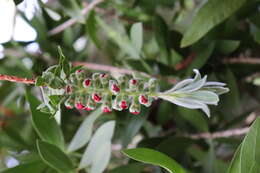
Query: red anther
{"points": [[79, 71], [115, 88], [103, 75], [143, 99], [79, 106], [133, 81], [96, 97], [69, 107], [88, 109], [68, 89], [135, 112], [107, 109], [87, 82], [123, 104]]}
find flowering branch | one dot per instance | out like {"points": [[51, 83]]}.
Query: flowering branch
{"points": [[72, 21], [16, 79], [70, 85]]}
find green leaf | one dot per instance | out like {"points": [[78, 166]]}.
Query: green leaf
{"points": [[13, 134], [211, 14], [92, 28], [72, 9], [121, 40], [250, 151], [154, 157], [98, 152], [39, 81], [56, 99], [136, 35], [195, 118], [63, 64], [46, 127], [227, 46], [27, 167], [247, 156], [132, 126], [84, 132], [55, 157], [130, 168], [255, 32], [235, 163]]}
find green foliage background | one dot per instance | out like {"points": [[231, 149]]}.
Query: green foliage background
{"points": [[163, 38]]}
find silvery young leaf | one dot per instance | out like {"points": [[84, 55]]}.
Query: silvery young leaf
{"points": [[207, 97], [195, 93], [84, 132], [100, 145], [186, 102]]}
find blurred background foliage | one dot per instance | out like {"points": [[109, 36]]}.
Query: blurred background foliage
{"points": [[163, 38]]}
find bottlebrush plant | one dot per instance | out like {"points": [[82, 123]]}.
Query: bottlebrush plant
{"points": [[73, 87]]}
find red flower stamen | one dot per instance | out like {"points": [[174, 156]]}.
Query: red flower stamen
{"points": [[135, 112], [88, 109], [79, 106], [133, 81], [107, 109], [115, 88], [68, 89], [123, 104], [103, 75], [79, 71], [69, 107], [87, 82], [143, 99], [96, 97]]}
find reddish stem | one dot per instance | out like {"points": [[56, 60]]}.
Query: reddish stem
{"points": [[16, 79]]}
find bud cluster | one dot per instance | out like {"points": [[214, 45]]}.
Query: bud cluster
{"points": [[85, 93]]}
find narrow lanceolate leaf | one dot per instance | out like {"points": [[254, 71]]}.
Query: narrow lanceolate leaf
{"points": [[210, 15], [136, 35], [84, 132], [98, 152], [250, 151], [247, 156], [154, 157], [45, 126], [235, 163], [55, 157]]}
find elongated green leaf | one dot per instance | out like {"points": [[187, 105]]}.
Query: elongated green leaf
{"points": [[247, 157], [154, 157], [235, 163], [250, 151], [46, 127], [84, 132], [227, 46], [91, 28], [28, 167], [136, 35], [55, 157], [133, 125], [121, 40], [130, 168], [210, 15], [97, 154]]}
